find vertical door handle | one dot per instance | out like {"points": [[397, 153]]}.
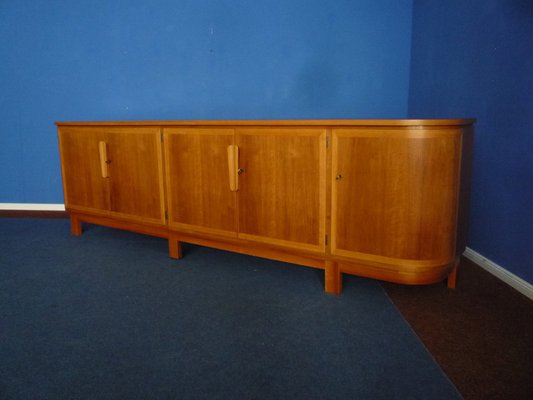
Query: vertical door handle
{"points": [[233, 167], [104, 162]]}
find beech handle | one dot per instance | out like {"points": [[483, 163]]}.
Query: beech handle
{"points": [[104, 162], [233, 167]]}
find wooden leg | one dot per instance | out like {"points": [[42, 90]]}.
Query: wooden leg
{"points": [[174, 247], [452, 277], [333, 278], [75, 225]]}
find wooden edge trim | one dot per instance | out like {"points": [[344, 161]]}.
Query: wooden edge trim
{"points": [[251, 250], [152, 230], [416, 276], [309, 122]]}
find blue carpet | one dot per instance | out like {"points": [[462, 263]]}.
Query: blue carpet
{"points": [[109, 316]]}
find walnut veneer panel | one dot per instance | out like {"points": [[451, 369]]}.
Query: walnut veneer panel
{"points": [[396, 193], [83, 186], [133, 186], [199, 196], [282, 191]]}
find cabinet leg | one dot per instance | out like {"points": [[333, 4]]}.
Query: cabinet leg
{"points": [[75, 226], [452, 276], [174, 247], [333, 278]]}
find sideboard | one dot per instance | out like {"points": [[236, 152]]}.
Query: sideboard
{"points": [[385, 199]]}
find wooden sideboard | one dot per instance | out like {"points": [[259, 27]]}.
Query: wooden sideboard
{"points": [[385, 199]]}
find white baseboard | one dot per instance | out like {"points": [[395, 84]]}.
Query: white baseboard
{"points": [[31, 207], [511, 279]]}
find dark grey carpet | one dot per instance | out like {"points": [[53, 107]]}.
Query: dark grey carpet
{"points": [[109, 316]]}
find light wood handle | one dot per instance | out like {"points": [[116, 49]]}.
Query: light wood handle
{"points": [[102, 147], [233, 166]]}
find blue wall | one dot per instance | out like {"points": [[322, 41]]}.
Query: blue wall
{"points": [[475, 58], [188, 59], [237, 59]]}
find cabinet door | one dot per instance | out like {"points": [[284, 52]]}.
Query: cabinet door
{"points": [[197, 175], [85, 188], [394, 194], [282, 186], [136, 173]]}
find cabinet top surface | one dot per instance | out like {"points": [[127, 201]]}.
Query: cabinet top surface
{"points": [[307, 122]]}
